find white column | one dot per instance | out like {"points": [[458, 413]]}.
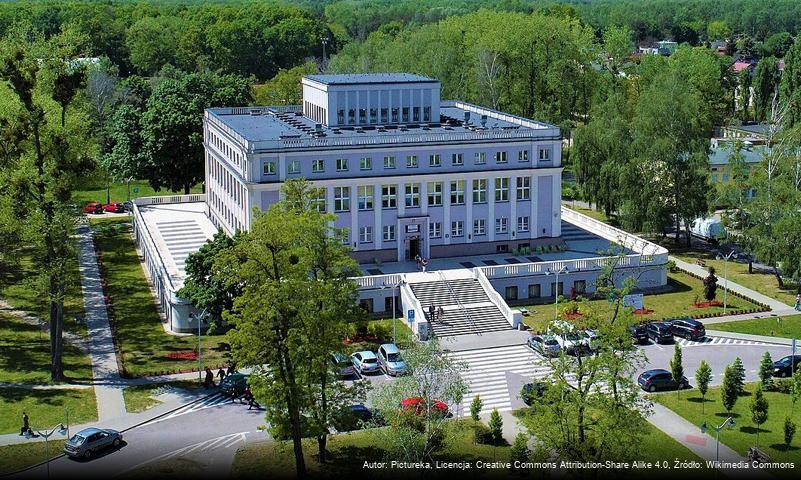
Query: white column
{"points": [[468, 213], [378, 228], [401, 198], [354, 216], [557, 205], [423, 197], [513, 207], [533, 225], [446, 215], [491, 209]]}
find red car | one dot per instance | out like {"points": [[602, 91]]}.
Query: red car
{"points": [[93, 207], [418, 404], [115, 207]]}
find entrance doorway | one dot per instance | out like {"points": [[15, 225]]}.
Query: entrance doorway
{"points": [[414, 248]]}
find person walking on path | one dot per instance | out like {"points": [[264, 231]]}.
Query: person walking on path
{"points": [[432, 312], [231, 368], [209, 381], [26, 426], [798, 302], [418, 260], [440, 313], [424, 263], [221, 374]]}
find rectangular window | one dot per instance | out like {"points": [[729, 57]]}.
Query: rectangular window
{"points": [[457, 228], [412, 195], [351, 116], [318, 200], [435, 230], [293, 167], [342, 164], [434, 160], [523, 188], [545, 155], [426, 114], [389, 233], [411, 161], [501, 225], [389, 196], [340, 116], [362, 115], [501, 189], [534, 290], [268, 168], [500, 157], [373, 115], [522, 156], [389, 162], [318, 166], [405, 114], [394, 115], [345, 232], [365, 163], [457, 159], [365, 197], [522, 224], [416, 114], [480, 190], [384, 113], [457, 192], [434, 194], [341, 199], [557, 289], [366, 235], [511, 292], [480, 158], [479, 226], [580, 287]]}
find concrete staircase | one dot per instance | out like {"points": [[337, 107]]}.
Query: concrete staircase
{"points": [[467, 310]]}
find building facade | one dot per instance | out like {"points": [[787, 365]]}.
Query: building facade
{"points": [[405, 173]]}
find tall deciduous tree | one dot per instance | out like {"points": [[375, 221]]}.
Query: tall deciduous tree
{"points": [[729, 390], [703, 375], [766, 83], [677, 367], [790, 86], [759, 410]]}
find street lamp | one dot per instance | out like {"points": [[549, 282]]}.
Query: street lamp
{"points": [[394, 309], [199, 319], [556, 289], [725, 277], [60, 428], [729, 422]]}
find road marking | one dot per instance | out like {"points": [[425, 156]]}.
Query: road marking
{"points": [[210, 402], [206, 445], [725, 341]]}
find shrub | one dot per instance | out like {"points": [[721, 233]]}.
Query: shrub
{"points": [[482, 434], [496, 426], [475, 407]]}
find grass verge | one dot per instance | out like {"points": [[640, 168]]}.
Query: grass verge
{"points": [[46, 408], [139, 398], [92, 188], [14, 458], [786, 327]]}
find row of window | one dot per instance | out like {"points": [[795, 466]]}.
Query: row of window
{"points": [[384, 115], [535, 289], [389, 194], [226, 150], [457, 229], [412, 161]]}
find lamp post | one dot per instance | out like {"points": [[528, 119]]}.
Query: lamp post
{"points": [[725, 278], [60, 428], [199, 319], [394, 309], [556, 288], [729, 422]]}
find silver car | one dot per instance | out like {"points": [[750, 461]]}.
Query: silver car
{"points": [[545, 345], [364, 362], [89, 440], [390, 359]]}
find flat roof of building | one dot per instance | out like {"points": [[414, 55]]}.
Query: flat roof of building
{"points": [[264, 128], [720, 155], [369, 78]]}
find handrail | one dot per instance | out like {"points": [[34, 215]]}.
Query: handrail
{"points": [[408, 295], [459, 303], [149, 240], [160, 200], [495, 297], [639, 245], [377, 281]]}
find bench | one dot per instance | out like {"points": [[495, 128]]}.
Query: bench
{"points": [[700, 261], [757, 455]]}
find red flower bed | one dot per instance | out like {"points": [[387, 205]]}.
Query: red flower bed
{"points": [[186, 355], [573, 315], [713, 303], [643, 311]]}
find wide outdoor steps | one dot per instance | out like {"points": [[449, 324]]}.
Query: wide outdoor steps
{"points": [[437, 293], [486, 318]]}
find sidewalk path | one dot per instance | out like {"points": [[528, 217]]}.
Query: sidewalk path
{"points": [[105, 372]]}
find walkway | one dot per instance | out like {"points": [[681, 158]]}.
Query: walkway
{"points": [[105, 371]]}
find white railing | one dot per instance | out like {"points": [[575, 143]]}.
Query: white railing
{"points": [[191, 198], [148, 245], [370, 282], [622, 238], [512, 316], [410, 302], [465, 313]]}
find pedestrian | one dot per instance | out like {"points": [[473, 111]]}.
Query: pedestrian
{"points": [[209, 381], [231, 368], [440, 313], [26, 427], [221, 374], [251, 399], [418, 260], [432, 312], [798, 302], [424, 263]]}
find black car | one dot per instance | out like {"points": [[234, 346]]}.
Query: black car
{"points": [[659, 332], [532, 391], [353, 418], [785, 366], [639, 333], [234, 384], [688, 328], [659, 379]]}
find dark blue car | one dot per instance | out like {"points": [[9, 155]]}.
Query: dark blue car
{"points": [[660, 379]]}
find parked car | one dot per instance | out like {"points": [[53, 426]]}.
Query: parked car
{"points": [[352, 418], [342, 364], [532, 391], [114, 207], [418, 405], [785, 366], [364, 362], [688, 328], [590, 339], [545, 345], [234, 384], [660, 379], [639, 333], [390, 359], [93, 207], [90, 440], [659, 332]]}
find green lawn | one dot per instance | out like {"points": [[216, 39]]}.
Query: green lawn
{"points": [[46, 408], [685, 290], [93, 188], [25, 354], [142, 343], [16, 457], [743, 436], [596, 214], [657, 445], [370, 334], [764, 283], [786, 327], [140, 397]]}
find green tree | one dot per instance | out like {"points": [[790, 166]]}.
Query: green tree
{"points": [[475, 408], [790, 85], [495, 425], [729, 390], [744, 89], [703, 375], [766, 83], [676, 367], [789, 433], [151, 42], [718, 30], [285, 87], [759, 410], [776, 45], [739, 375], [520, 453], [766, 371]]}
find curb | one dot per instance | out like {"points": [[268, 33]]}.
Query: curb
{"points": [[784, 342]]}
